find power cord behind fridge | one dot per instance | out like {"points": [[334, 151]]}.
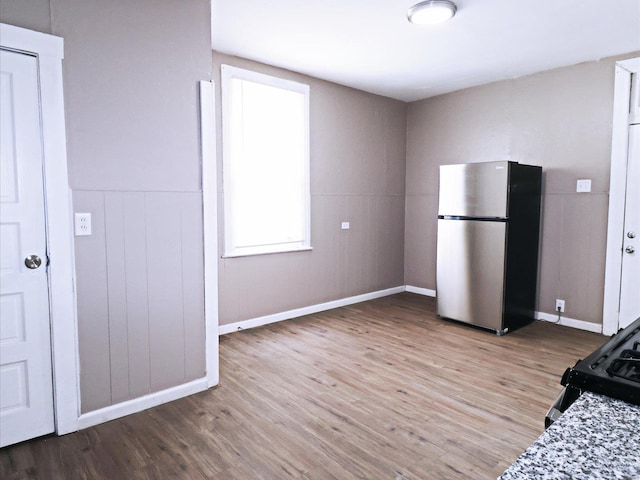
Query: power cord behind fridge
{"points": [[559, 310]]}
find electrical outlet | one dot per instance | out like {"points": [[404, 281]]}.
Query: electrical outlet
{"points": [[559, 305], [83, 224], [583, 185], [345, 226]]}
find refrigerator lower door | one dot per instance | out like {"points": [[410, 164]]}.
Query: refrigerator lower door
{"points": [[470, 271]]}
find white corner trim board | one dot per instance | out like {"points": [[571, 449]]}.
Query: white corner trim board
{"points": [[299, 312], [139, 404], [210, 222]]}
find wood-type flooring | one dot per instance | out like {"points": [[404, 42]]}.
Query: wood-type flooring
{"points": [[378, 390]]}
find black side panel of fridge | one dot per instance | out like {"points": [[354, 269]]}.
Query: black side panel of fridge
{"points": [[525, 183]]}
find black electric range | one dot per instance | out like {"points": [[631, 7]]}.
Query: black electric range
{"points": [[612, 370]]}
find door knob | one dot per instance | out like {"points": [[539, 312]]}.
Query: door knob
{"points": [[33, 261], [629, 249]]}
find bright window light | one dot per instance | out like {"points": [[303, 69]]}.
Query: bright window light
{"points": [[265, 163]]}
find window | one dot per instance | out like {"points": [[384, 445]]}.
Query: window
{"points": [[265, 122]]}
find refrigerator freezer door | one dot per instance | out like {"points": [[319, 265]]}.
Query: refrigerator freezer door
{"points": [[474, 189], [470, 271]]}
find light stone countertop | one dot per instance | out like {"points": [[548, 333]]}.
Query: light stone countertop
{"points": [[597, 437]]}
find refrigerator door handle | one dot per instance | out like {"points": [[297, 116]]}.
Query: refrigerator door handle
{"points": [[475, 219]]}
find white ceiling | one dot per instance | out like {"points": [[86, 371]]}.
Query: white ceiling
{"points": [[370, 45]]}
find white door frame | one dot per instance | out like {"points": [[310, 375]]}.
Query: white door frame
{"points": [[615, 229], [58, 212]]}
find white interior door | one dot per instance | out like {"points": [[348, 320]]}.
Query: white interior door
{"points": [[630, 277], [26, 396]]}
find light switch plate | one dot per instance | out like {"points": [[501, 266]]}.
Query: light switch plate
{"points": [[583, 185]]}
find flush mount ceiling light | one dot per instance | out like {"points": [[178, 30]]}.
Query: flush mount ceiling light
{"points": [[431, 12]]}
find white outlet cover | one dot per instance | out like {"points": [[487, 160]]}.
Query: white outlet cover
{"points": [[583, 185], [345, 226], [82, 224]]}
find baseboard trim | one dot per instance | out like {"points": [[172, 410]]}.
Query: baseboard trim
{"points": [[421, 291], [142, 403], [569, 322], [299, 312], [546, 317]]}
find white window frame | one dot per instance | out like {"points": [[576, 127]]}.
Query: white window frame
{"points": [[228, 73]]}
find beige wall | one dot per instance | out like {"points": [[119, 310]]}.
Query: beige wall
{"points": [[357, 175], [131, 99], [31, 14], [560, 120]]}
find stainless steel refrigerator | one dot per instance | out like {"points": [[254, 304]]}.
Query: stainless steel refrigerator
{"points": [[487, 251]]}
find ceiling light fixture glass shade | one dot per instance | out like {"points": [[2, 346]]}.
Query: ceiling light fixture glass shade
{"points": [[431, 12]]}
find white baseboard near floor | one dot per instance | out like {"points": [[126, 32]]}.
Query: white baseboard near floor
{"points": [[421, 291], [299, 312], [139, 404], [569, 322]]}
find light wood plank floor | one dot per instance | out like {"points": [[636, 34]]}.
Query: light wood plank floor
{"points": [[378, 390]]}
